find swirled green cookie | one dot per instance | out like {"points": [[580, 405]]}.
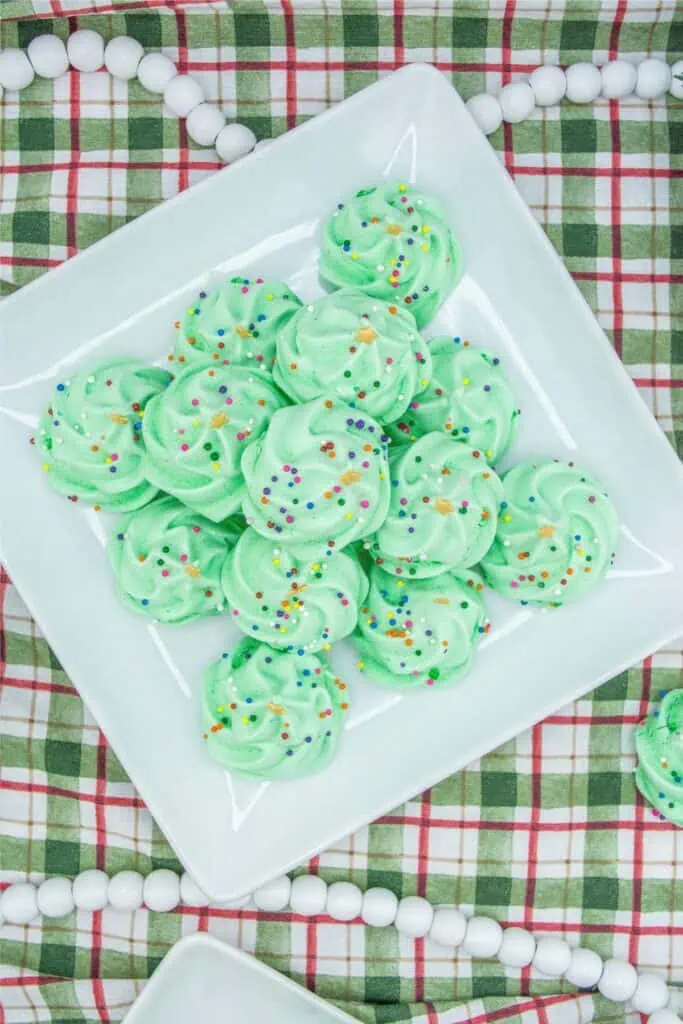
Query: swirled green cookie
{"points": [[236, 323], [556, 534], [659, 744], [442, 512], [347, 345], [167, 560], [468, 398], [394, 243], [318, 477], [419, 632], [91, 435], [197, 432], [299, 604], [271, 714]]}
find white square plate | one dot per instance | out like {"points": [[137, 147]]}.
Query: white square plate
{"points": [[262, 216], [203, 979]]}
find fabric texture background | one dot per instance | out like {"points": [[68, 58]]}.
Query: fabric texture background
{"points": [[548, 831]]}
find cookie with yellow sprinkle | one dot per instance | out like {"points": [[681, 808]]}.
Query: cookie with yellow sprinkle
{"points": [[197, 432], [301, 604], [270, 714], [168, 560], [393, 241], [469, 398], [556, 535], [236, 323], [420, 632]]}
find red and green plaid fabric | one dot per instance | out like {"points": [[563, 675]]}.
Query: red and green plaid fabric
{"points": [[547, 831]]}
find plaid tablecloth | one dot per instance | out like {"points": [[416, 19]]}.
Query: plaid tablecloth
{"points": [[547, 831]]}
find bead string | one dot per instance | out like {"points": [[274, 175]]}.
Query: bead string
{"points": [[124, 58], [310, 895]]}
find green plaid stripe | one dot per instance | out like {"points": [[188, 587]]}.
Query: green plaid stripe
{"points": [[546, 831]]}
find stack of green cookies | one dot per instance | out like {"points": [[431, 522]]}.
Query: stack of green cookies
{"points": [[319, 472]]}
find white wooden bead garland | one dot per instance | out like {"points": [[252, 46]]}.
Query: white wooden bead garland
{"points": [[85, 50], [309, 895], [580, 83], [124, 58]]}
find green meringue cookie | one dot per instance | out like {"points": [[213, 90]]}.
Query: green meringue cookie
{"points": [[236, 323], [659, 745], [91, 435], [469, 399], [270, 714], [419, 632], [442, 512], [299, 604], [197, 432], [394, 243], [318, 477], [557, 531], [167, 560], [347, 345]]}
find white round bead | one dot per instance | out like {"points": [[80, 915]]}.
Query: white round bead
{"points": [[86, 50], [448, 927], [549, 84], [651, 994], [122, 56], [379, 907], [19, 904], [552, 957], [155, 71], [483, 938], [486, 112], [90, 890], [664, 1017], [190, 893], [56, 897], [48, 56], [183, 94], [308, 895], [618, 79], [204, 123], [585, 968], [161, 890], [518, 948], [584, 83], [15, 70], [414, 916], [618, 980], [126, 890], [273, 896], [517, 102], [234, 141], [654, 79], [344, 901], [676, 87]]}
